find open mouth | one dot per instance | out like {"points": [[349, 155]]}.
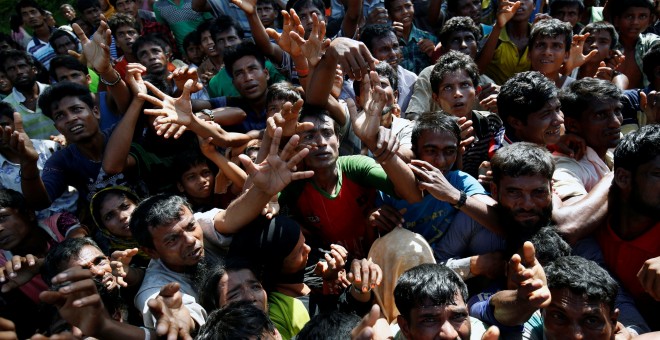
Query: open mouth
{"points": [[553, 132], [76, 128]]}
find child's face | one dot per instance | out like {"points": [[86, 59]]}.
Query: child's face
{"points": [[632, 22], [208, 45], [465, 42], [569, 14], [305, 15], [194, 54], [267, 14], [524, 11], [599, 40], [274, 106], [547, 54], [456, 94], [197, 182], [402, 11]]}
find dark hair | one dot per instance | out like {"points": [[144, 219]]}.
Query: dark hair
{"points": [[551, 28], [433, 282], [6, 38], [453, 61], [523, 94], [458, 24], [452, 6], [114, 2], [331, 325], [208, 296], [622, 6], [56, 92], [584, 278], [549, 246], [318, 113], [99, 198], [234, 53], [15, 55], [13, 199], [83, 5], [298, 5], [384, 70], [650, 62], [6, 110], [438, 121], [223, 24], [374, 31], [237, 320], [154, 212], [204, 26], [388, 4], [637, 148], [555, 5], [153, 38], [68, 62], [583, 93], [122, 19], [186, 161], [282, 91], [522, 159], [602, 26], [190, 39], [59, 255], [29, 3], [58, 33]]}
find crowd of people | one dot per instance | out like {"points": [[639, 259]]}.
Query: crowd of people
{"points": [[301, 169]]}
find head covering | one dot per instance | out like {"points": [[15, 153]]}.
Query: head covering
{"points": [[267, 243], [105, 239]]}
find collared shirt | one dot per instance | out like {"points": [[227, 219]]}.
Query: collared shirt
{"points": [[413, 58], [507, 60], [576, 178], [643, 45], [35, 123], [226, 7], [41, 50], [10, 178], [407, 81]]}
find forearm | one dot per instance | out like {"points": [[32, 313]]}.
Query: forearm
{"points": [[262, 40], [435, 14], [220, 137], [482, 209], [33, 187], [509, 310], [119, 144], [233, 172], [352, 18], [119, 93], [241, 211], [405, 184], [319, 87], [489, 48], [112, 329]]}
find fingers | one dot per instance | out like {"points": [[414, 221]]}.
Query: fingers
{"points": [[18, 123], [169, 289], [492, 333], [529, 254]]}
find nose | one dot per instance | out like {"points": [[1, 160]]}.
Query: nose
{"points": [[457, 92], [559, 118], [447, 331]]}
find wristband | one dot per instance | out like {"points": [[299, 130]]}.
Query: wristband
{"points": [[208, 113], [107, 83], [461, 201], [303, 73]]}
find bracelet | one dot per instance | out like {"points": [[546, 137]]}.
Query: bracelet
{"points": [[303, 73], [107, 83], [208, 113], [20, 174], [461, 201]]}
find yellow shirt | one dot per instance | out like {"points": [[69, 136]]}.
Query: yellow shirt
{"points": [[506, 60]]}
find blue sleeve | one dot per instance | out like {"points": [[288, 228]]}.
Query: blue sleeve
{"points": [[463, 181], [630, 102], [485, 312], [53, 176], [218, 102]]}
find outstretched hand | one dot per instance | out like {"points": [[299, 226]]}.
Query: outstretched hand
{"points": [[575, 56], [18, 271], [18, 141], [287, 119], [506, 11], [95, 51], [290, 23], [315, 45], [366, 124], [278, 169], [172, 318], [175, 114], [120, 262]]}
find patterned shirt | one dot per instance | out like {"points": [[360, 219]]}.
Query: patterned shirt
{"points": [[226, 7], [181, 18], [36, 124], [41, 50], [150, 26], [413, 58]]}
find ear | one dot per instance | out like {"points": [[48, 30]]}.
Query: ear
{"points": [[515, 123], [96, 112], [396, 96], [623, 178], [89, 79], [435, 98], [403, 324], [151, 252], [267, 73], [493, 191]]}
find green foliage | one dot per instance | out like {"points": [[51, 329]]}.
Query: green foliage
{"points": [[7, 10]]}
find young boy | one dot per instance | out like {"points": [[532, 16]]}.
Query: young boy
{"points": [[417, 46], [549, 44], [569, 11], [267, 11], [602, 38], [631, 18], [455, 83], [192, 51]]}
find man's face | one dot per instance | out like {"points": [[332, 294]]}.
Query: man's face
{"points": [[402, 11], [75, 119], [456, 94], [440, 149], [525, 10], [92, 16], [322, 142], [194, 54], [267, 14], [14, 228], [20, 73], [297, 259], [5, 83], [645, 194], [125, 37], [599, 40], [571, 316], [600, 124], [153, 58], [74, 76], [250, 78], [179, 245], [387, 49], [632, 22], [544, 126], [568, 13], [63, 44], [464, 42], [115, 212], [32, 17], [469, 8], [127, 6], [68, 12], [242, 285], [437, 322], [306, 18], [208, 45], [226, 39], [525, 200], [197, 182], [547, 54], [92, 258]]}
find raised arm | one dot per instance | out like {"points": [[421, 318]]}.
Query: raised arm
{"points": [[506, 11], [259, 34], [352, 18]]}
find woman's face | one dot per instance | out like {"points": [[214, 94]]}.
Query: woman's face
{"points": [[297, 259], [116, 210]]}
